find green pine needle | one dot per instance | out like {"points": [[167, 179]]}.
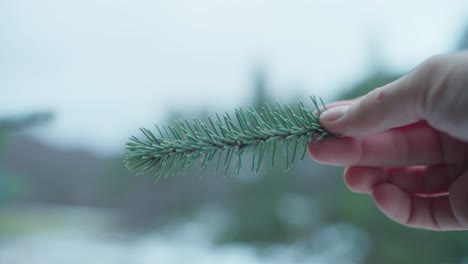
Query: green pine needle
{"points": [[182, 145]]}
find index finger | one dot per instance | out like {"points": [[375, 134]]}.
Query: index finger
{"points": [[418, 144]]}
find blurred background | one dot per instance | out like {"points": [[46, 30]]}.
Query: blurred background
{"points": [[77, 78]]}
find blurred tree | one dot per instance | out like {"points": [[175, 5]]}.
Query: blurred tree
{"points": [[10, 185], [10, 125], [463, 42], [374, 80], [260, 91], [18, 123]]}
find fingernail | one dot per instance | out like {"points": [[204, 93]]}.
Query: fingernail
{"points": [[333, 114]]}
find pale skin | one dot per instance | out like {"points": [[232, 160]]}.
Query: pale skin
{"points": [[406, 144]]}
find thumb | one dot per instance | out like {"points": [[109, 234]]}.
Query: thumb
{"points": [[396, 104]]}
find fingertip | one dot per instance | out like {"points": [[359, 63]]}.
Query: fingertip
{"points": [[334, 104], [332, 115], [328, 109], [335, 151], [353, 181], [393, 202], [316, 151], [363, 179]]}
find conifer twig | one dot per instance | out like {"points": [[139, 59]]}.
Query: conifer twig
{"points": [[223, 138]]}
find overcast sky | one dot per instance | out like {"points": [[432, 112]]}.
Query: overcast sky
{"points": [[107, 67]]}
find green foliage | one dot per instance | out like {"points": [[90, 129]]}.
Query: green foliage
{"points": [[182, 145]]}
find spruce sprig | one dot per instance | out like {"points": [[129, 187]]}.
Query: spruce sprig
{"points": [[185, 143]]}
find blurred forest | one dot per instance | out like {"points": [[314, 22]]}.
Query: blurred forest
{"points": [[271, 207]]}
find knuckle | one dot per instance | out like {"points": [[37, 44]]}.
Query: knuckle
{"points": [[459, 199], [432, 78], [433, 64]]}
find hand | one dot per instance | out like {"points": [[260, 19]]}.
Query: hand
{"points": [[406, 144]]}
